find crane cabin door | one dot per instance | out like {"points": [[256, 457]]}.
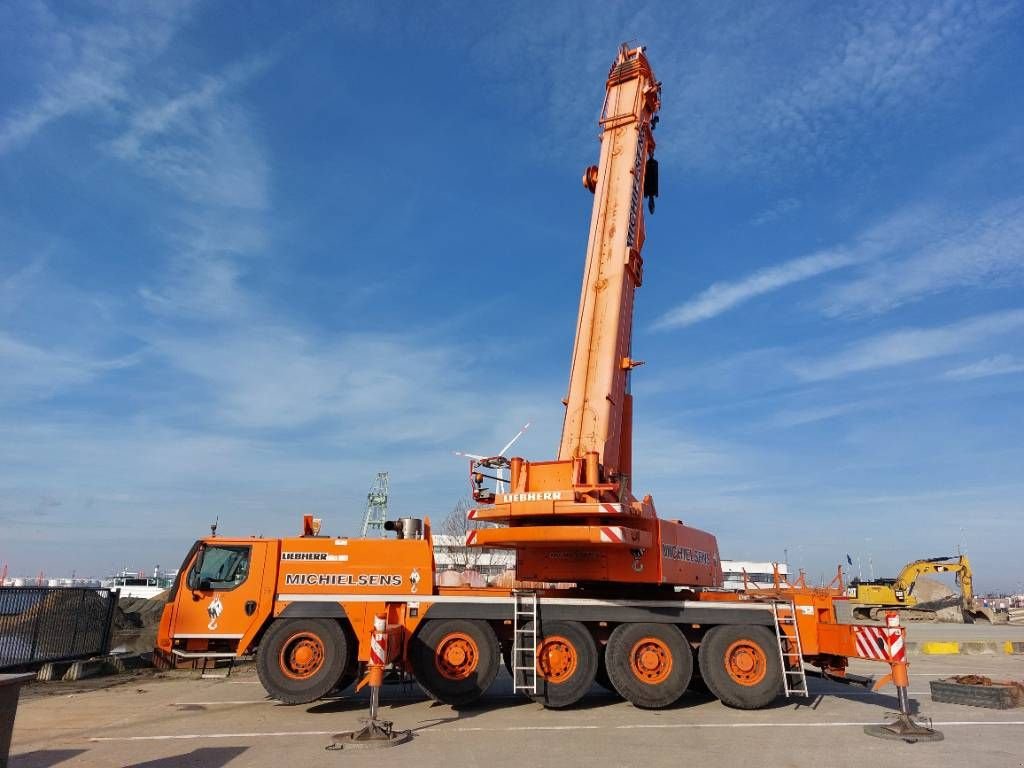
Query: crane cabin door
{"points": [[219, 597]]}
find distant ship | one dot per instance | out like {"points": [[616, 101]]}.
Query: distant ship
{"points": [[137, 584]]}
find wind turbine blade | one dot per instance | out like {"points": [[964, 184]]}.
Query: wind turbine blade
{"points": [[469, 455], [512, 442]]}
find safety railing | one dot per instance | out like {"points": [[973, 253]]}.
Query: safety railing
{"points": [[40, 624]]}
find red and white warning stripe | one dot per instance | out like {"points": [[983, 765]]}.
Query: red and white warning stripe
{"points": [[613, 534], [897, 649], [379, 642], [871, 643], [880, 643], [611, 509], [471, 514], [470, 537]]}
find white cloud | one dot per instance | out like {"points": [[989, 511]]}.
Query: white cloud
{"points": [[910, 345], [798, 417], [943, 249], [201, 144], [920, 250], [35, 373], [761, 86], [14, 286], [998, 365], [721, 297], [86, 67], [778, 210]]}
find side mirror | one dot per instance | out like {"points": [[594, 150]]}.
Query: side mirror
{"points": [[205, 585], [197, 568]]}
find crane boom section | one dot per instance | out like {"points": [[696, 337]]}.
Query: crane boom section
{"points": [[598, 410]]}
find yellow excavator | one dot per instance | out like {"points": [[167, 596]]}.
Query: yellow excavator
{"points": [[871, 599]]}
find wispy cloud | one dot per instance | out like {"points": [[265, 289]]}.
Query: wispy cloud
{"points": [[86, 66], [721, 297], [909, 345], [780, 209], [920, 250], [798, 417], [749, 101], [943, 249], [31, 372], [998, 365], [201, 143]]}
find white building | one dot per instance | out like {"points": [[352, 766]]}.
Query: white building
{"points": [[452, 554], [759, 575]]}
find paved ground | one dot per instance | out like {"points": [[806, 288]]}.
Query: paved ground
{"points": [[159, 722]]}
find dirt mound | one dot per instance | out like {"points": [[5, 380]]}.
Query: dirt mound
{"points": [[930, 590], [136, 622], [141, 612], [937, 596]]}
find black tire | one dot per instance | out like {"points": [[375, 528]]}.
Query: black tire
{"points": [[671, 659], [577, 660], [281, 665], [440, 679], [743, 645]]}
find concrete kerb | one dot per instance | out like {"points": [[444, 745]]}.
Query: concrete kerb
{"points": [[102, 665], [966, 647]]}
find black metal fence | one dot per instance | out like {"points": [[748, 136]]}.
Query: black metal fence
{"points": [[39, 624]]}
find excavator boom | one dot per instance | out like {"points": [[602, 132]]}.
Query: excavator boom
{"points": [[871, 599]]}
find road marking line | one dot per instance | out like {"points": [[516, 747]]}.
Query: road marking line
{"points": [[509, 696], [518, 728]]}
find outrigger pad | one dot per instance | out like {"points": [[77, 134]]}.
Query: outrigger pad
{"points": [[903, 728], [374, 733]]}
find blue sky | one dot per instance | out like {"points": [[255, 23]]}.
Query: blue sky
{"points": [[251, 256]]}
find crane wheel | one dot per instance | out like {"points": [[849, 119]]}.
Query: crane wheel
{"points": [[301, 660], [741, 666], [455, 660], [566, 663], [650, 665]]}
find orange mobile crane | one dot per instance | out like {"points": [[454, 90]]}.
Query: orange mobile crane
{"points": [[645, 616]]}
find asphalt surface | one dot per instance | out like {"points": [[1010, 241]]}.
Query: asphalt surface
{"points": [[149, 721]]}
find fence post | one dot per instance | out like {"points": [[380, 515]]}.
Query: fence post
{"points": [[78, 621], [113, 596], [35, 625]]}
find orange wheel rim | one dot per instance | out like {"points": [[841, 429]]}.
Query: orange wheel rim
{"points": [[456, 656], [651, 660], [556, 659], [746, 662], [302, 656]]}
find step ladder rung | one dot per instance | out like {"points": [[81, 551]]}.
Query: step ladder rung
{"points": [[794, 680], [524, 641]]}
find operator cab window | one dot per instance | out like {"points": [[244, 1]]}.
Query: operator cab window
{"points": [[220, 568]]}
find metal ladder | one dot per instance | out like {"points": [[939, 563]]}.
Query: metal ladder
{"points": [[794, 679], [524, 641]]}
